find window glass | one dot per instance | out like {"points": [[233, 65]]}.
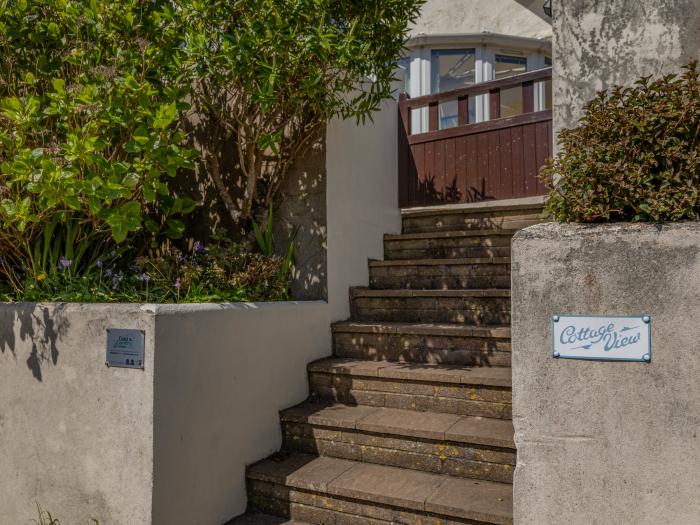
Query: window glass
{"points": [[452, 69], [511, 98], [507, 66]]}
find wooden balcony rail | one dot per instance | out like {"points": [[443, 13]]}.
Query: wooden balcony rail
{"points": [[495, 159]]}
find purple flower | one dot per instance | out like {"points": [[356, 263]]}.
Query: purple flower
{"points": [[144, 277], [113, 253], [199, 248], [64, 263], [98, 263], [108, 272], [177, 283], [134, 267], [116, 279]]}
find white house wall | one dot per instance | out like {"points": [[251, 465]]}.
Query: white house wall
{"points": [[510, 17]]}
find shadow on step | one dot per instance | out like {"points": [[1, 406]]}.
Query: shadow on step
{"points": [[417, 348]]}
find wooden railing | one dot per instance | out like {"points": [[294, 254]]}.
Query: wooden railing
{"points": [[495, 159]]}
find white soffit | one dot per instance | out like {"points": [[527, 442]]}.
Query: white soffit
{"points": [[483, 38]]}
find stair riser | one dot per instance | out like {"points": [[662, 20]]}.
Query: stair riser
{"points": [[468, 351], [467, 400], [457, 222], [450, 248], [325, 509], [442, 277], [438, 457], [465, 310]]}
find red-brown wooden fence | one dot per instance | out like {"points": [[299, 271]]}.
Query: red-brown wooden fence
{"points": [[495, 159]]}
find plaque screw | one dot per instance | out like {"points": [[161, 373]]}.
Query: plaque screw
{"points": [[646, 319], [556, 354], [555, 318], [646, 358]]}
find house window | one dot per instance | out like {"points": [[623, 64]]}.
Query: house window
{"points": [[511, 98], [451, 69], [438, 69]]}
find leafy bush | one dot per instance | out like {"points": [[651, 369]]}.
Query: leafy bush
{"points": [[93, 102], [270, 73], [223, 271], [635, 155], [90, 107]]}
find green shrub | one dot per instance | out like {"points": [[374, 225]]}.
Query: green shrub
{"points": [[635, 155], [271, 73], [221, 271], [93, 100], [90, 107]]}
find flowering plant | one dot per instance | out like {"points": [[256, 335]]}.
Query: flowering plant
{"points": [[223, 271]]}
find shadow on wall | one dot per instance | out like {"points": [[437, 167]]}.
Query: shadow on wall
{"points": [[38, 324], [429, 193], [301, 217], [299, 214]]}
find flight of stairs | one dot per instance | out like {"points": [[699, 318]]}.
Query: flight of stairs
{"points": [[410, 420]]}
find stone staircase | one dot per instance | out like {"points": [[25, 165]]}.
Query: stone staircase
{"points": [[410, 420]]}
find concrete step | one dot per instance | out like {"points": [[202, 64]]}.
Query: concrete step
{"points": [[513, 215], [467, 391], [455, 344], [474, 307], [440, 274], [472, 447], [263, 519], [448, 245], [324, 490]]}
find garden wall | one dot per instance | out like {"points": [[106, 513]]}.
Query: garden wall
{"points": [[599, 44], [171, 443], [168, 444], [600, 441]]}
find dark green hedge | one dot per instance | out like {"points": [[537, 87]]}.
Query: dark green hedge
{"points": [[635, 155]]}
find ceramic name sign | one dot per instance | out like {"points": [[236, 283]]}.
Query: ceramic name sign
{"points": [[125, 348], [600, 337]]}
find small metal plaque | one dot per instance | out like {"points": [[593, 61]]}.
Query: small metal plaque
{"points": [[602, 337], [125, 348]]}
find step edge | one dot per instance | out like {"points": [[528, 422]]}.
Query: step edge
{"points": [[445, 329], [364, 291], [376, 263], [523, 203], [464, 512], [334, 366], [449, 234], [329, 423]]}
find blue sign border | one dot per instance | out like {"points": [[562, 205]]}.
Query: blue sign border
{"points": [[619, 359]]}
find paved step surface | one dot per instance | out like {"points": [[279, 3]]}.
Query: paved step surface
{"points": [[474, 307], [477, 216], [440, 274], [263, 519], [475, 391], [332, 490], [473, 447], [448, 245], [454, 344], [410, 421]]}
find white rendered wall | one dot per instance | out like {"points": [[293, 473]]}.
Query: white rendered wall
{"points": [[361, 200], [509, 17]]}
